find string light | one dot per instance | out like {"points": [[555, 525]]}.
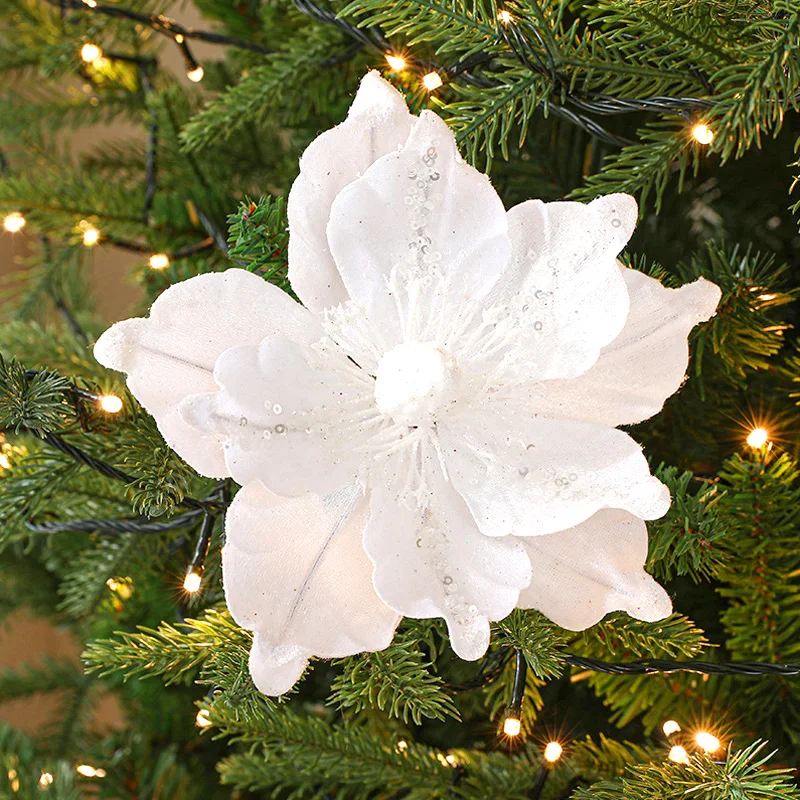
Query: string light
{"points": [[401, 746], [679, 755], [397, 63], [14, 780], [203, 719], [451, 760], [45, 779], [670, 727], [432, 81], [14, 222], [757, 438], [707, 741], [179, 38], [90, 3], [702, 133], [90, 52], [159, 261], [505, 17], [110, 403], [195, 75], [192, 581], [90, 772], [91, 236], [512, 726], [552, 752], [4, 462]]}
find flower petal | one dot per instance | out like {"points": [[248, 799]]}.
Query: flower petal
{"points": [[270, 415], [436, 563], [171, 354], [644, 365], [420, 210], [295, 572], [538, 476], [563, 276], [378, 123], [583, 573]]}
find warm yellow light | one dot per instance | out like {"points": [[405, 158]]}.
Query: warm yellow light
{"points": [[4, 462], [14, 222], [179, 38], [679, 755], [159, 261], [195, 75], [432, 81], [112, 584], [192, 581], [670, 727], [552, 752], [707, 741], [451, 760], [702, 133], [401, 746], [45, 779], [505, 17], [91, 236], [397, 63], [99, 773], [757, 437], [86, 770], [512, 726], [110, 403], [202, 720], [90, 52], [90, 3]]}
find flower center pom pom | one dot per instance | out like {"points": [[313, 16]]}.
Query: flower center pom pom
{"points": [[415, 383]]}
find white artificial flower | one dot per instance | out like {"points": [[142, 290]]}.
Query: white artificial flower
{"points": [[433, 432]]}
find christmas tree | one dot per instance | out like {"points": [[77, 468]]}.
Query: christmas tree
{"points": [[107, 530]]}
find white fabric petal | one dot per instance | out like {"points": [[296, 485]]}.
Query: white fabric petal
{"points": [[564, 281], [583, 573], [171, 354], [538, 476], [421, 210], [378, 123], [296, 573], [281, 421], [436, 563], [644, 365]]}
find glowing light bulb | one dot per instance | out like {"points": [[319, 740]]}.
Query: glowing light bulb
{"points": [[179, 38], [202, 720], [401, 746], [89, 771], [90, 52], [505, 17], [679, 755], [192, 581], [432, 81], [4, 462], [397, 63], [110, 403], [552, 752], [670, 727], [45, 779], [91, 236], [451, 760], [90, 3], [195, 75], [512, 726], [14, 222], [757, 437], [707, 741], [159, 261], [702, 133]]}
